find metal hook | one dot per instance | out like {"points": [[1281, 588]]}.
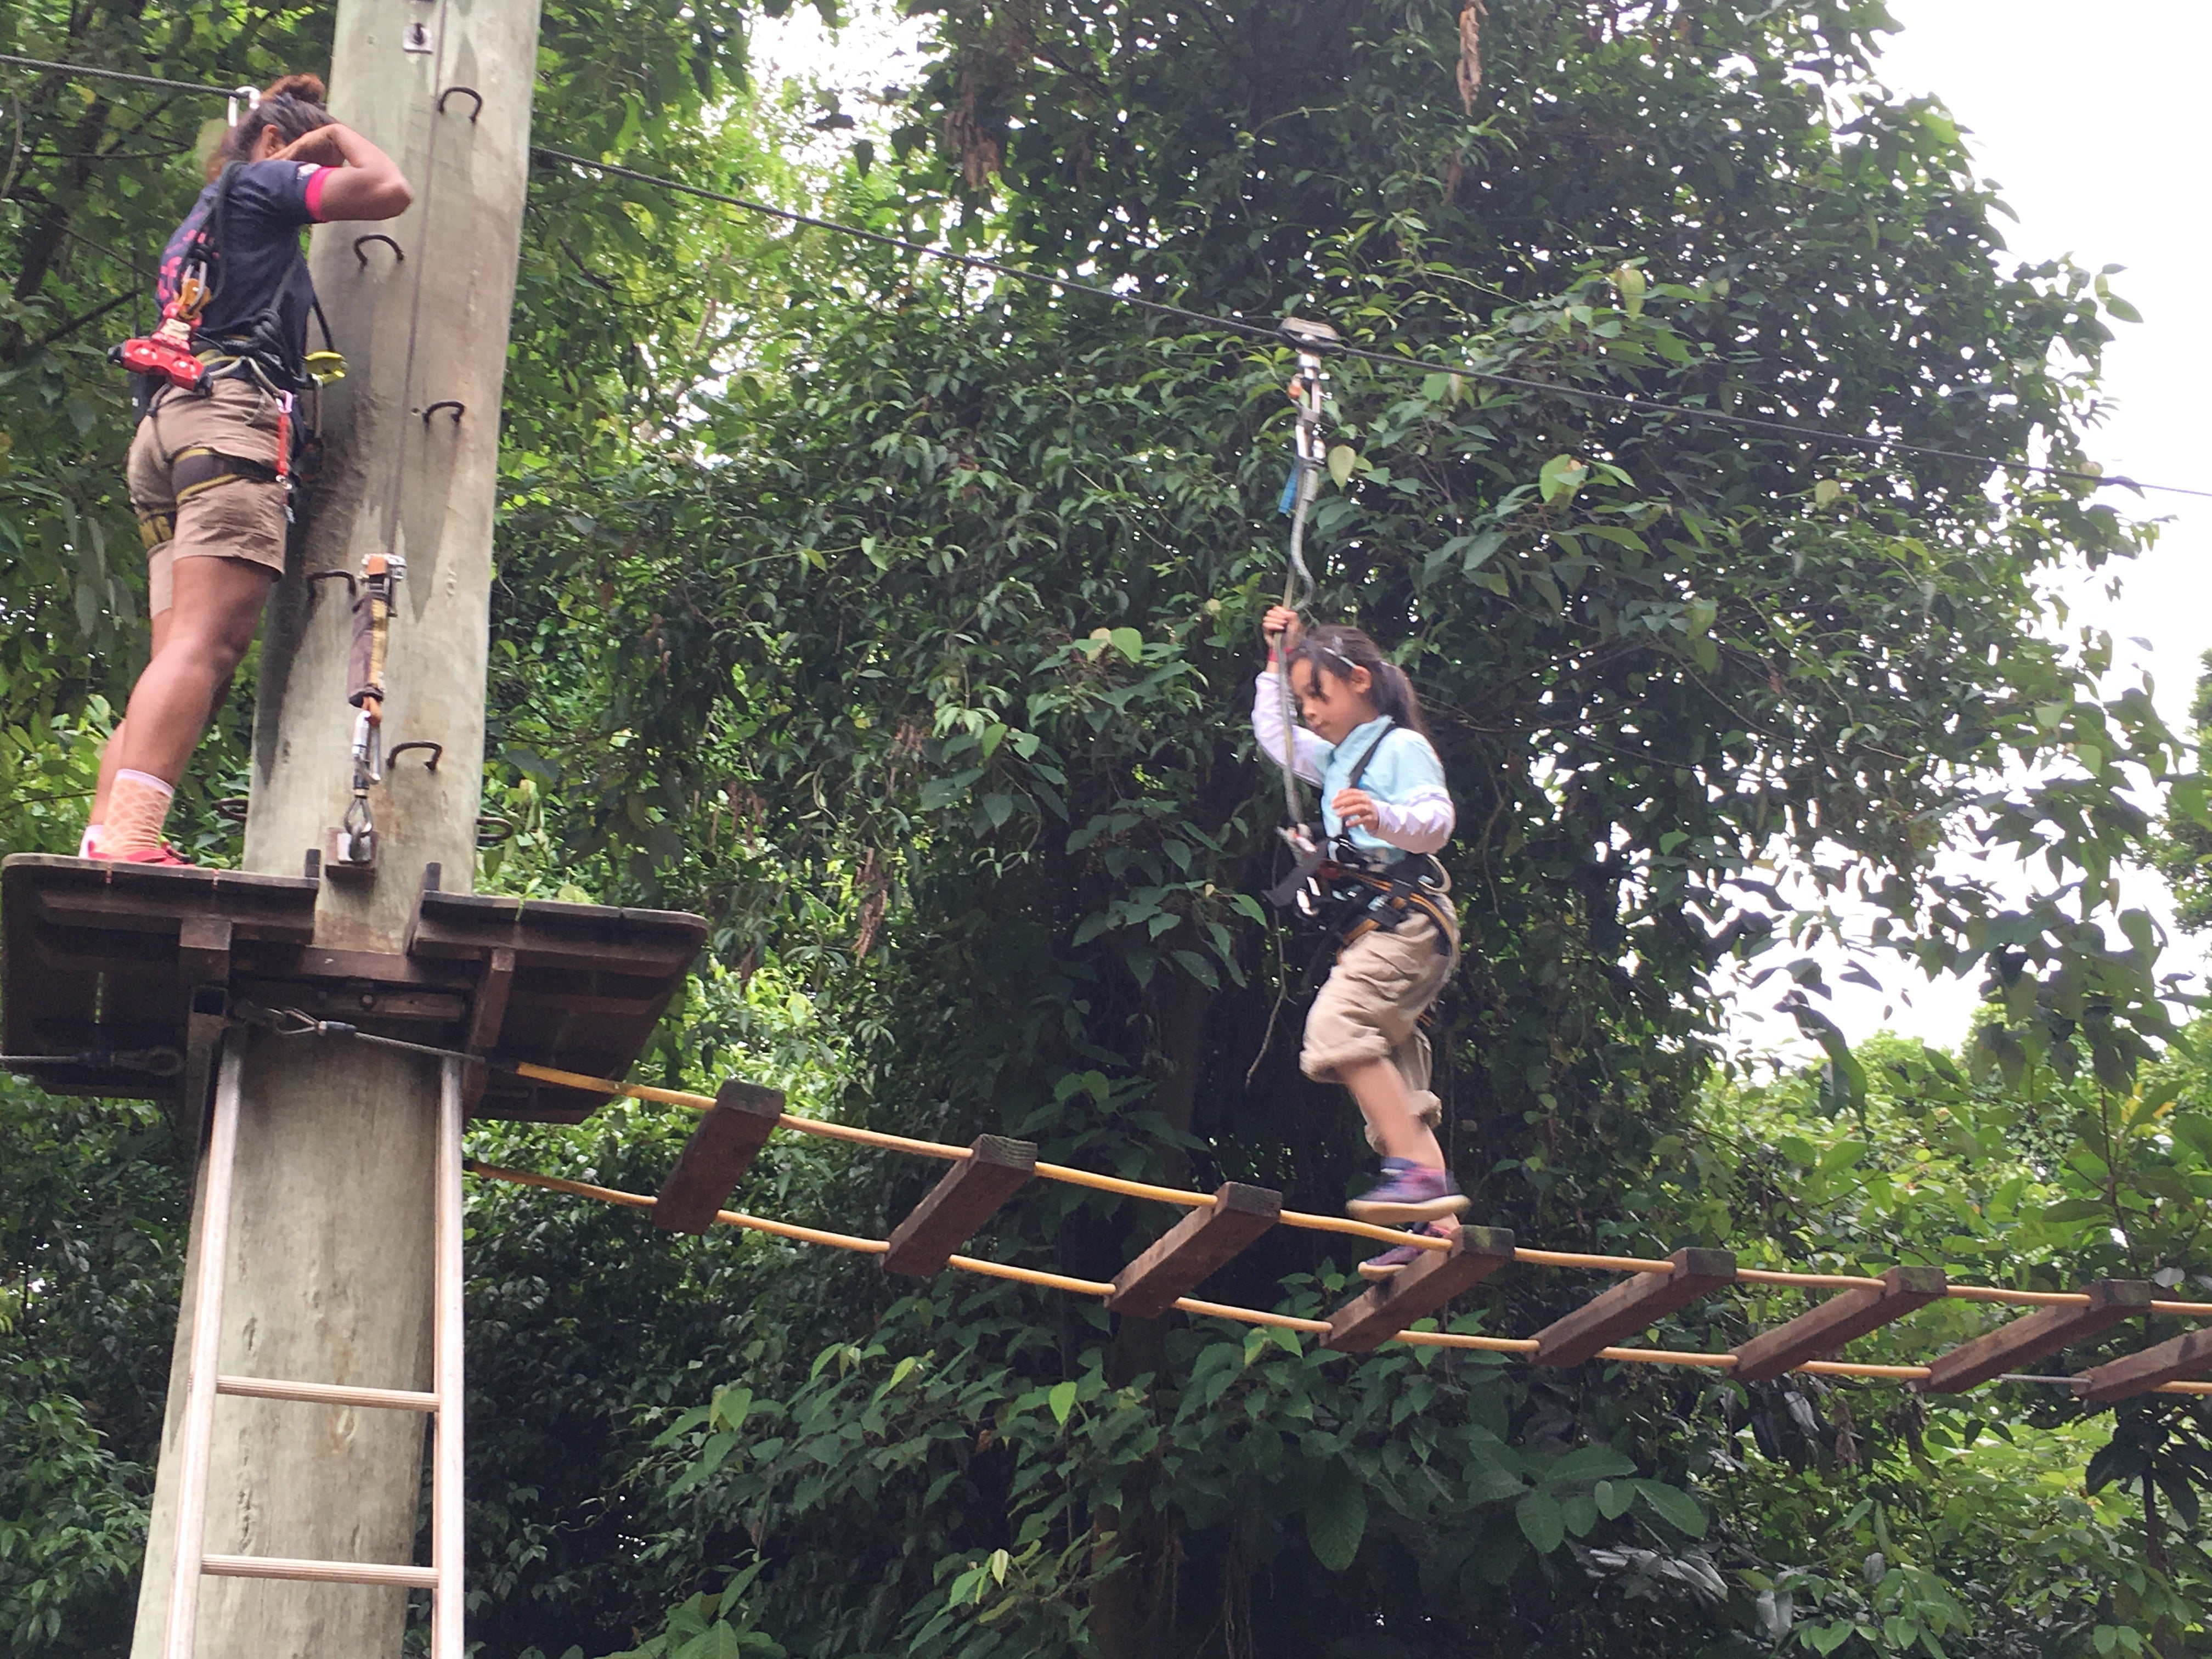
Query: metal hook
{"points": [[470, 91], [345, 576], [253, 96], [455, 404], [437, 752], [399, 253]]}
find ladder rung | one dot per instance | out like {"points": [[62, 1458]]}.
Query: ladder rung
{"points": [[326, 1394], [319, 1572]]}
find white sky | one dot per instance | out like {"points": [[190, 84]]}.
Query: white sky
{"points": [[2086, 120]]}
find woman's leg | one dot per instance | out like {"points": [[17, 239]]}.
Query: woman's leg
{"points": [[218, 607], [110, 753]]}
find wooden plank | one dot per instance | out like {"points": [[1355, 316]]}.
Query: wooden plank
{"points": [[487, 1014], [1840, 1319], [721, 1150], [204, 951], [377, 968], [370, 1005], [205, 1022], [148, 898], [492, 993], [1190, 1252], [204, 1007], [1369, 1320], [2044, 1331], [2177, 1361], [1635, 1304], [543, 932], [954, 1208]]}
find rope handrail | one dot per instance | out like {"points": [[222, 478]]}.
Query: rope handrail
{"points": [[1306, 1221], [1232, 1311]]}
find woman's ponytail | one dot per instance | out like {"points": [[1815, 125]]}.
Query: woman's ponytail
{"points": [[293, 105]]}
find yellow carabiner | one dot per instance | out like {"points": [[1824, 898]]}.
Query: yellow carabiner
{"points": [[324, 367]]}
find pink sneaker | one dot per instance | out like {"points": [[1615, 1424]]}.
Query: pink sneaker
{"points": [[1399, 1257], [164, 854], [1409, 1192]]}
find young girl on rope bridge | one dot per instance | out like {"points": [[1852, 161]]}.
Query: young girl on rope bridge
{"points": [[208, 468], [1385, 809]]}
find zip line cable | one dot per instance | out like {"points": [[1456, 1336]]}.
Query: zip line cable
{"points": [[1864, 443], [97, 74], [1276, 334]]}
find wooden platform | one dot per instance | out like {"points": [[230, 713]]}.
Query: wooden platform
{"points": [[126, 973]]}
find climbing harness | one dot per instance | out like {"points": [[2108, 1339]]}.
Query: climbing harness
{"points": [[355, 844], [179, 353], [1340, 893], [1308, 391], [167, 354]]}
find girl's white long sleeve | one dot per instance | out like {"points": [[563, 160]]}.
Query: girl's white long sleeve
{"points": [[1267, 725], [1420, 825]]}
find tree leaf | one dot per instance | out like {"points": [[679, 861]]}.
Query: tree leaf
{"points": [[1336, 1520], [1675, 1507], [1543, 1523]]}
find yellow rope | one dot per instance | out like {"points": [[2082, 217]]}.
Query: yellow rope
{"points": [[969, 1264], [1345, 1225], [1482, 1344], [1106, 1183], [1813, 1281], [1612, 1264], [1351, 1229], [2019, 1298], [1252, 1315], [1668, 1356]]}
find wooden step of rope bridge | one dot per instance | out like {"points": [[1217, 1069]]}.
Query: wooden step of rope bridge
{"points": [[740, 1119]]}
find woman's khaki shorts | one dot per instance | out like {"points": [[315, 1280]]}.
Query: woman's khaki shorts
{"points": [[1370, 1007], [203, 481]]}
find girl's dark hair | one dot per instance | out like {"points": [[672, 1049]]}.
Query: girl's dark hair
{"points": [[292, 106], [1337, 650]]}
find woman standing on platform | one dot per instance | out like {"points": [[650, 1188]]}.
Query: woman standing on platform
{"points": [[210, 466]]}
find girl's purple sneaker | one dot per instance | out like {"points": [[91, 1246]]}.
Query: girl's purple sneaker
{"points": [[1409, 1192], [1399, 1255]]}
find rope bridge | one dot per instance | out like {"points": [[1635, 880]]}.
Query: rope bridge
{"points": [[739, 1119]]}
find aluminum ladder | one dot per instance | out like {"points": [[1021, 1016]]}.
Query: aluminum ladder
{"points": [[442, 1404]]}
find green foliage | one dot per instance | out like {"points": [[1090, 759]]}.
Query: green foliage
{"points": [[2186, 860], [91, 1252], [900, 622]]}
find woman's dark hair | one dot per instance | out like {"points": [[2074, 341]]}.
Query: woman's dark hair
{"points": [[1333, 649], [292, 106]]}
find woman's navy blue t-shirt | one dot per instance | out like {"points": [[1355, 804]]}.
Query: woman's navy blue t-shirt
{"points": [[261, 264]]}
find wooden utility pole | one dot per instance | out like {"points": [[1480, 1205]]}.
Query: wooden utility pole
{"points": [[330, 1271]]}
